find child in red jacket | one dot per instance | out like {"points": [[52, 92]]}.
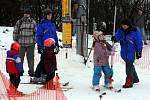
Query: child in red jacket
{"points": [[13, 64]]}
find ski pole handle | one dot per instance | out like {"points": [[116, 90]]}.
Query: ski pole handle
{"points": [[100, 97]]}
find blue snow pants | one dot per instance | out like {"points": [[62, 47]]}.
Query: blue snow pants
{"points": [[98, 73]]}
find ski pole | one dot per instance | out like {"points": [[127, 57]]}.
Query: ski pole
{"points": [[94, 28], [85, 60]]}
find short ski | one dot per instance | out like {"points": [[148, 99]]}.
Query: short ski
{"points": [[113, 89], [64, 88], [101, 95], [32, 83], [65, 84], [40, 83], [99, 91]]}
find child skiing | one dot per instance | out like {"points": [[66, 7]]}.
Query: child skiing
{"points": [[102, 50], [49, 63], [14, 66]]}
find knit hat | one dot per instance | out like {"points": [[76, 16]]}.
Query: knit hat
{"points": [[126, 22], [98, 36], [48, 42], [27, 11], [47, 12]]}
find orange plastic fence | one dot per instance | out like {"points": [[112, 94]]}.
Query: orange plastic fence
{"points": [[7, 91], [143, 62], [46, 92]]}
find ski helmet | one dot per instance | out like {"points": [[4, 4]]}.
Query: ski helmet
{"points": [[48, 42], [15, 46]]}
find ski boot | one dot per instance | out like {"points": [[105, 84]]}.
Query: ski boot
{"points": [[96, 88], [129, 82], [36, 80]]}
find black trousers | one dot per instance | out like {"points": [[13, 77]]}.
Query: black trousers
{"points": [[41, 70], [40, 67], [15, 80], [130, 71]]}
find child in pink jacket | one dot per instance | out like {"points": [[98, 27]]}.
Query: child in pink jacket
{"points": [[102, 51]]}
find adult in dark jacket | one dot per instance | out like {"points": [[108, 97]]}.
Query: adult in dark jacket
{"points": [[46, 29], [131, 43], [139, 23], [24, 33]]}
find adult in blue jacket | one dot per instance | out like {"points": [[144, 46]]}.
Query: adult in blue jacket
{"points": [[46, 29], [131, 46]]}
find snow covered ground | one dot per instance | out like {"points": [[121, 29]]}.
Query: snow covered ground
{"points": [[73, 70]]}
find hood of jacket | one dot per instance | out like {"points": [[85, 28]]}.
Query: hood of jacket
{"points": [[44, 20], [130, 29], [12, 52]]}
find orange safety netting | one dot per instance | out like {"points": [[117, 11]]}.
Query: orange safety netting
{"points": [[143, 62], [46, 92]]}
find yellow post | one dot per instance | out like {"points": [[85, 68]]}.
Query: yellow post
{"points": [[67, 37], [65, 7], [66, 24]]}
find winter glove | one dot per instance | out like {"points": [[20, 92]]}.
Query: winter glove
{"points": [[109, 47], [40, 50], [21, 73], [113, 38], [56, 50], [138, 55]]}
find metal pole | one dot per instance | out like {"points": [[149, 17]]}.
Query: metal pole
{"points": [[115, 20], [87, 22], [114, 32], [81, 18], [69, 8]]}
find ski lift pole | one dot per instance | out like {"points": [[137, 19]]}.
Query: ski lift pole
{"points": [[115, 12], [66, 25], [66, 53]]}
